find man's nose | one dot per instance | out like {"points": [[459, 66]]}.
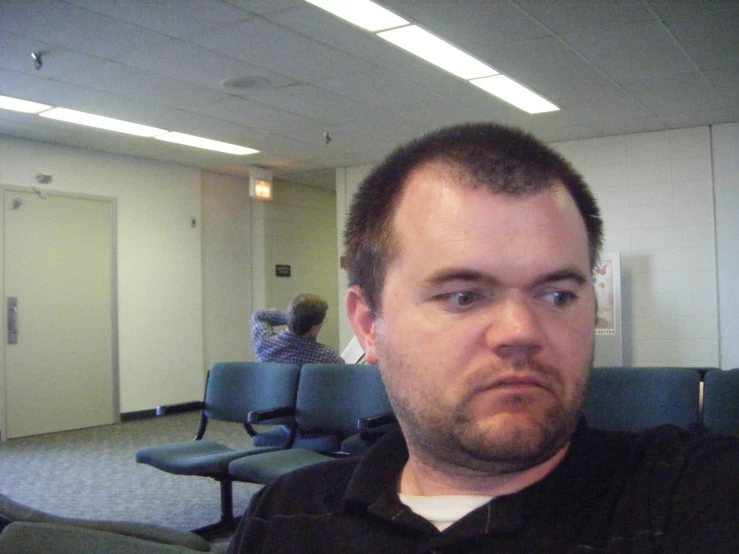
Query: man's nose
{"points": [[515, 329]]}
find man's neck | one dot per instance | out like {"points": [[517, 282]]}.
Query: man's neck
{"points": [[421, 479]]}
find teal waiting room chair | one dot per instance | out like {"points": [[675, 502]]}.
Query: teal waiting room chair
{"points": [[333, 401], [232, 391]]}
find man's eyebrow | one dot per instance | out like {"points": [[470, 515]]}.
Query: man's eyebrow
{"points": [[458, 274], [470, 275], [566, 274]]}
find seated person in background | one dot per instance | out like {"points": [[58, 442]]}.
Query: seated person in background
{"points": [[471, 253], [297, 344]]}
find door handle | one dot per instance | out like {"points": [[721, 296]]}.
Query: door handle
{"points": [[12, 320]]}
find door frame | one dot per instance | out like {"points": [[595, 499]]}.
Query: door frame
{"points": [[113, 287]]}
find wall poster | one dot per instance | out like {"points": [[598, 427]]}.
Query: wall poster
{"points": [[607, 283]]}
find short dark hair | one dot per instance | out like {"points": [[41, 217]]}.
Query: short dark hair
{"points": [[305, 311], [505, 160]]}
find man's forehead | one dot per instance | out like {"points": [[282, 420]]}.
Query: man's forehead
{"points": [[442, 214]]}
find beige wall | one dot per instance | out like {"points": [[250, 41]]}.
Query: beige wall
{"points": [[185, 294], [227, 267], [297, 228], [158, 263]]}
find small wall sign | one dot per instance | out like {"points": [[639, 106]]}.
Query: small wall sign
{"points": [[282, 270]]}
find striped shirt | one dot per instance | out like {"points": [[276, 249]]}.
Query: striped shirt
{"points": [[286, 346]]}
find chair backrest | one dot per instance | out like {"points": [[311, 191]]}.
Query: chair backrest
{"points": [[721, 402], [236, 388], [636, 398], [333, 397]]}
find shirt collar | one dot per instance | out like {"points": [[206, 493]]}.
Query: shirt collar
{"points": [[372, 489]]}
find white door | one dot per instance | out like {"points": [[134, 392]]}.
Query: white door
{"points": [[59, 308]]}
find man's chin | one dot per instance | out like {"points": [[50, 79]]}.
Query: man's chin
{"points": [[517, 439]]}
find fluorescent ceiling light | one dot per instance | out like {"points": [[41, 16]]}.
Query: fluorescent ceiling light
{"points": [[513, 93], [440, 53], [362, 13], [17, 105], [197, 142], [91, 120]]}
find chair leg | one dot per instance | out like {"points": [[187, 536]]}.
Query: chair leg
{"points": [[227, 522], [227, 502]]}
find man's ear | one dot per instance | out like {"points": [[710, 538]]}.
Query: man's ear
{"points": [[363, 322]]}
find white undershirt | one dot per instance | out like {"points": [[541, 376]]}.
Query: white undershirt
{"points": [[443, 511]]}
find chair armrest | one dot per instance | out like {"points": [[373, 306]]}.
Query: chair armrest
{"points": [[368, 424], [259, 416]]}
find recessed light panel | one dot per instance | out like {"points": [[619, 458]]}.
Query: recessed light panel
{"points": [[437, 51], [17, 105], [513, 93], [107, 123], [208, 144], [362, 13]]}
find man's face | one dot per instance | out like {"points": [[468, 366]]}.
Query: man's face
{"points": [[485, 333]]}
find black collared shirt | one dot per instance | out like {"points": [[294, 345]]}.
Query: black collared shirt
{"points": [[664, 491]]}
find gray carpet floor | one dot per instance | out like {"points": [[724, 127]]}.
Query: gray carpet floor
{"points": [[92, 473]]}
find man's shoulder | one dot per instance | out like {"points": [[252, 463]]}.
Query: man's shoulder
{"points": [[678, 484], [318, 488], [663, 441], [662, 456]]}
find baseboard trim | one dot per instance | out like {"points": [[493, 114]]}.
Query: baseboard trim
{"points": [[163, 410]]}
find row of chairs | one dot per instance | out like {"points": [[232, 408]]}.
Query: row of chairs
{"points": [[636, 398], [327, 410], [321, 411]]}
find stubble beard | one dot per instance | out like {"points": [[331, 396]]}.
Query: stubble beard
{"points": [[453, 437]]}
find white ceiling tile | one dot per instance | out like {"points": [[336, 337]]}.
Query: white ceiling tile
{"points": [[711, 39], [309, 101], [704, 117], [475, 25], [669, 94], [266, 45], [395, 95], [674, 8], [288, 146], [256, 115], [74, 28], [265, 7], [568, 16], [193, 64], [726, 83], [629, 52], [15, 54], [128, 81], [365, 46], [173, 18]]}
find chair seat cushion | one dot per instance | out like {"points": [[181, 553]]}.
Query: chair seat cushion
{"points": [[45, 538], [196, 457], [12, 511], [318, 443], [265, 468]]}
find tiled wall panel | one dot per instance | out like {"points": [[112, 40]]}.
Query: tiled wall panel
{"points": [[656, 194]]}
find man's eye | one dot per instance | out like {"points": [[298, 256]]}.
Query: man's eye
{"points": [[462, 298], [559, 298]]}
